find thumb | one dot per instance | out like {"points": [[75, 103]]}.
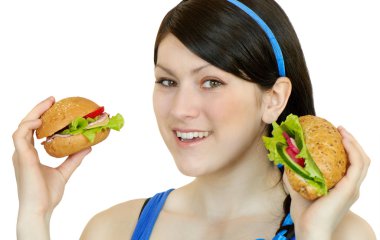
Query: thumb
{"points": [[71, 163]]}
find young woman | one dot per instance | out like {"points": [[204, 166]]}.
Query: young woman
{"points": [[225, 70]]}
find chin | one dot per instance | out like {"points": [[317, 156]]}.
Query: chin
{"points": [[191, 168]]}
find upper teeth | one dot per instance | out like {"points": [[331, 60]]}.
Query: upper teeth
{"points": [[191, 135]]}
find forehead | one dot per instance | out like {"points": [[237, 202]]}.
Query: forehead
{"points": [[171, 51]]}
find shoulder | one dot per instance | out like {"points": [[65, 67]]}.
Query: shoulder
{"points": [[116, 222], [354, 227]]}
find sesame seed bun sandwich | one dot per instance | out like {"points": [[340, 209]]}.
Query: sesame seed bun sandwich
{"points": [[73, 124], [311, 150]]}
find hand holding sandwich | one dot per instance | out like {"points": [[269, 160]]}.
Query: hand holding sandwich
{"points": [[40, 188], [324, 168], [326, 213]]}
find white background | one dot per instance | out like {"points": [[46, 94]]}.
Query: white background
{"points": [[103, 50]]}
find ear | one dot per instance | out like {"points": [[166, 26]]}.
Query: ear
{"points": [[275, 99]]}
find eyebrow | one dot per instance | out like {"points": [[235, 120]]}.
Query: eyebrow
{"points": [[195, 70]]}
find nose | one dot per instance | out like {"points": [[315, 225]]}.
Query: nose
{"points": [[186, 103]]}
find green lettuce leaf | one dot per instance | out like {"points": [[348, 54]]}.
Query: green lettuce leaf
{"points": [[80, 126], [90, 133], [116, 122], [276, 146]]}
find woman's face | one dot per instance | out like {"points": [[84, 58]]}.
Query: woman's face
{"points": [[208, 118]]}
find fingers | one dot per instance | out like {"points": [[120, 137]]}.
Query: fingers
{"points": [[23, 136], [39, 109], [357, 170], [71, 163], [359, 161], [23, 142]]}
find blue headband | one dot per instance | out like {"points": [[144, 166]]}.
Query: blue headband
{"points": [[268, 32]]}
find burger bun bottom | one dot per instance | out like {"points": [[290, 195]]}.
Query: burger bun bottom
{"points": [[64, 146], [300, 185]]}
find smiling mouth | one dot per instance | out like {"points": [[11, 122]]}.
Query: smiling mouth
{"points": [[191, 136]]}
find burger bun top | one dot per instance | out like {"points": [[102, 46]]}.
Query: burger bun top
{"points": [[324, 143], [62, 113]]}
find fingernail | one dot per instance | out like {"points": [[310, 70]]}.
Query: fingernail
{"points": [[51, 98]]}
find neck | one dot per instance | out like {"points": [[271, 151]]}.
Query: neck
{"points": [[242, 189]]}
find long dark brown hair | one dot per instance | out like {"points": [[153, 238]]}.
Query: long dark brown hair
{"points": [[226, 37]]}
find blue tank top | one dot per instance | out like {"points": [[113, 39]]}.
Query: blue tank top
{"points": [[153, 208]]}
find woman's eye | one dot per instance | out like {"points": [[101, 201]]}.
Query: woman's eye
{"points": [[211, 84], [166, 82]]}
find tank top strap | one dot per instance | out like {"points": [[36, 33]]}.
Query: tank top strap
{"points": [[149, 215]]}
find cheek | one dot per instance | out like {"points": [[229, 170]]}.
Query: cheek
{"points": [[161, 107], [233, 110], [161, 104], [237, 123]]}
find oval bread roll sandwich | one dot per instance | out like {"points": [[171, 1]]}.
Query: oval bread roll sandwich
{"points": [[73, 124], [311, 150]]}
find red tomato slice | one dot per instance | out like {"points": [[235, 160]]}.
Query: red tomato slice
{"points": [[292, 154], [292, 150], [95, 113]]}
